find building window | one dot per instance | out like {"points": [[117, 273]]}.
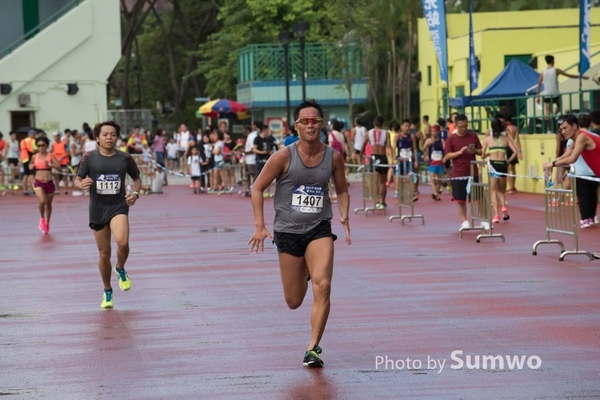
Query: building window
{"points": [[524, 58], [429, 75]]}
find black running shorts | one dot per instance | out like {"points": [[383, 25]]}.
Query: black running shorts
{"points": [[295, 244]]}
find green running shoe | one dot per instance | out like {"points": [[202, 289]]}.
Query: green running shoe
{"points": [[124, 281], [107, 299], [312, 359]]}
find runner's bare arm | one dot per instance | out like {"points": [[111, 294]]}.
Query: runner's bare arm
{"points": [[276, 165], [341, 189]]}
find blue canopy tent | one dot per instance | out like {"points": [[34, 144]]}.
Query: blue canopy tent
{"points": [[514, 80]]}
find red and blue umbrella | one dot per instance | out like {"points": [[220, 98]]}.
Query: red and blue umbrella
{"points": [[224, 108]]}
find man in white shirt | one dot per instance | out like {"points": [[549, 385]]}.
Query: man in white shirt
{"points": [[182, 145], [249, 156], [551, 94]]}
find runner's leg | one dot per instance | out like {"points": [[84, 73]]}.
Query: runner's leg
{"points": [[119, 225], [103, 242], [319, 259]]}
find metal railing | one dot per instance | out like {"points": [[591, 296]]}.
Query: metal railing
{"points": [[405, 189], [34, 31], [561, 218], [369, 188], [480, 204], [265, 62], [527, 114]]}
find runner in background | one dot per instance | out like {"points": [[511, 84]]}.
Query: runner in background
{"points": [[378, 139], [433, 154], [103, 173], [42, 163], [513, 133], [496, 146], [448, 164], [61, 151]]}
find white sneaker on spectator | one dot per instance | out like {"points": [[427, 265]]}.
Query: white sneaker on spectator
{"points": [[465, 225], [596, 220], [485, 225]]}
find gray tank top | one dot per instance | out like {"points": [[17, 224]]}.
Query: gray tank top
{"points": [[302, 195]]}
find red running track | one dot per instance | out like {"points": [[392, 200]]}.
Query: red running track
{"points": [[206, 319]]}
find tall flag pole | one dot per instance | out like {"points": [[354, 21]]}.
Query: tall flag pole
{"points": [[584, 37], [473, 73], [435, 15]]}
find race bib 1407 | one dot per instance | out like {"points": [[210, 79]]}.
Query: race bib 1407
{"points": [[108, 184], [308, 199]]}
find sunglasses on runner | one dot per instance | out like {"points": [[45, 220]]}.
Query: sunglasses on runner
{"points": [[306, 121], [41, 145]]}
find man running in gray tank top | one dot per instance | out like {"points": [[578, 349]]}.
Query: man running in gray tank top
{"points": [[302, 227]]}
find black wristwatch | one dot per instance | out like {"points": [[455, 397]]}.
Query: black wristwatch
{"points": [[554, 163]]}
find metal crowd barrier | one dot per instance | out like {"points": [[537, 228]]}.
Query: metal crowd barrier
{"points": [[145, 172], [480, 204], [8, 187], [234, 179], [369, 187], [405, 187], [561, 217]]}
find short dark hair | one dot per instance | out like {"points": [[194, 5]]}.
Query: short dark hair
{"points": [[405, 121], [337, 125], [595, 117], [584, 120], [99, 126], [441, 122], [426, 118], [308, 103], [378, 121], [460, 117], [549, 59]]}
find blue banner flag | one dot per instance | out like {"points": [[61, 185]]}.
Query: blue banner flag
{"points": [[435, 15], [473, 73], [584, 35]]}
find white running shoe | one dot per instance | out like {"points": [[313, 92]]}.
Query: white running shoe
{"points": [[485, 225], [465, 225]]}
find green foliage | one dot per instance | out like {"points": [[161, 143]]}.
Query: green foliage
{"points": [[193, 52]]}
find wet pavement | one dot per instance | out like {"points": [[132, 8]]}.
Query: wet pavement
{"points": [[206, 318]]}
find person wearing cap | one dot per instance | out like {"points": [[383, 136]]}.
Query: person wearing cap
{"points": [[28, 148], [61, 152]]}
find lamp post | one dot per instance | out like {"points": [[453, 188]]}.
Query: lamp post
{"points": [[301, 30], [285, 38]]}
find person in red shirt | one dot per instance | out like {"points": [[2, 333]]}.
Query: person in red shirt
{"points": [[587, 145], [462, 148]]}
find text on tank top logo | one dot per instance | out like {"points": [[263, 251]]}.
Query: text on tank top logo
{"points": [[437, 155], [107, 184], [308, 199]]}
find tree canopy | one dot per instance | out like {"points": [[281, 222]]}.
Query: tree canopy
{"points": [[177, 50]]}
